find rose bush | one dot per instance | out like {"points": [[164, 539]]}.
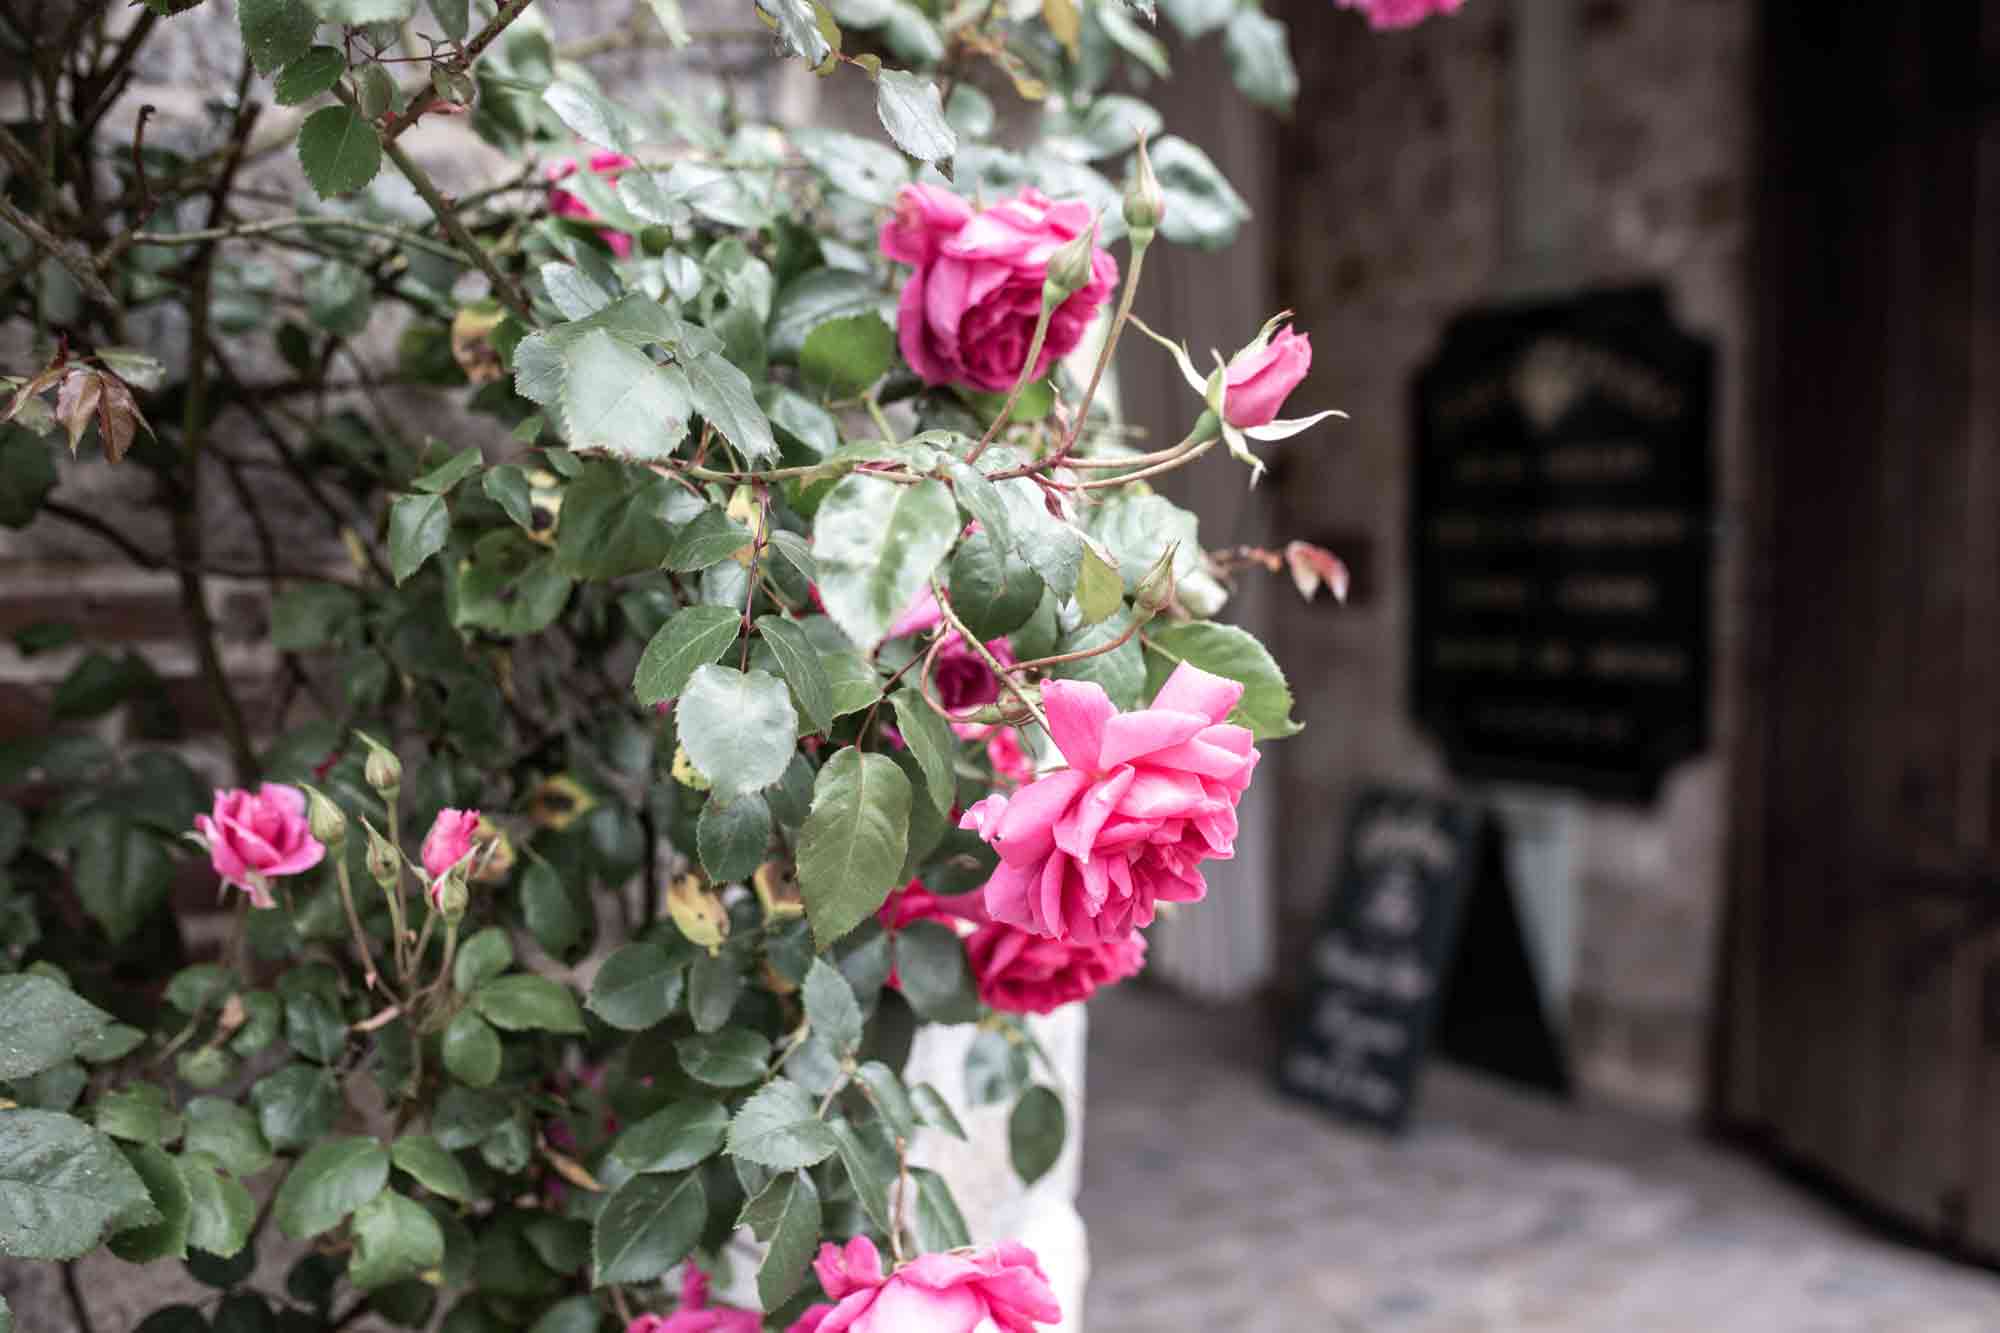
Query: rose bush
{"points": [[776, 649]]}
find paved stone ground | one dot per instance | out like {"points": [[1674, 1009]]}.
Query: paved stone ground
{"points": [[1215, 1204]]}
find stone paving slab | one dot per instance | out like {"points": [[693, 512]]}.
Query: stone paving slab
{"points": [[1217, 1206]]}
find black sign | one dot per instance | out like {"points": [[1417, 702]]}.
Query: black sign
{"points": [[1380, 961], [1561, 538]]}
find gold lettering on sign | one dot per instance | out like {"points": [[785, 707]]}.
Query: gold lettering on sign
{"points": [[1604, 592], [1562, 527], [1477, 469], [1581, 463], [1466, 654], [1489, 594], [1556, 371], [1638, 661]]}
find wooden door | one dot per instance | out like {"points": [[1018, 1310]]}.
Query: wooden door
{"points": [[1861, 1007]]}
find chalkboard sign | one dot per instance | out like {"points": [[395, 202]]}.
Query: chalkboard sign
{"points": [[1379, 963], [1561, 543]]}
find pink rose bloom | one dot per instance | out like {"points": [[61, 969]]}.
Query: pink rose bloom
{"points": [[1022, 973], [1400, 13], [810, 1321], [969, 312], [994, 1289], [256, 837], [1257, 383], [449, 841], [961, 677], [1087, 851], [694, 1314], [566, 205]]}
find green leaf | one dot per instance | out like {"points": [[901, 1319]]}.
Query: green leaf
{"points": [[733, 835], [551, 916], [1201, 207], [889, 1098], [913, 113], [453, 17], [933, 1110], [649, 1224], [574, 292], [1035, 1133], [931, 740], [138, 1114], [296, 1105], [312, 615], [868, 1170], [831, 1007], [481, 958], [714, 985], [727, 401], [615, 398], [930, 964], [465, 1119], [1225, 650], [525, 1002], [339, 151], [842, 357], [394, 1238], [1099, 590], [1260, 59], [638, 987], [220, 1210], [590, 116], [730, 1058], [27, 475], [786, 1217], [865, 168], [1121, 672], [166, 1236], [995, 1069], [797, 24], [820, 295], [472, 1051], [275, 31], [939, 1224], [309, 74], [61, 1184], [418, 527], [709, 539], [449, 473], [738, 728], [800, 661], [329, 1182], [46, 1023], [851, 682], [121, 873], [314, 1028], [615, 523], [681, 1135], [426, 1161], [876, 544], [228, 1133], [694, 637], [779, 1128], [113, 1043], [852, 846]]}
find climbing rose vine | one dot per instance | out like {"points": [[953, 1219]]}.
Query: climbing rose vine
{"points": [[722, 639]]}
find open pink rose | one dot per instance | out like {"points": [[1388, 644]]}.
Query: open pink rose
{"points": [[256, 837], [968, 313], [810, 1321], [1257, 382], [566, 205], [995, 1288], [448, 842], [960, 676], [1023, 973], [1400, 13], [1087, 851]]}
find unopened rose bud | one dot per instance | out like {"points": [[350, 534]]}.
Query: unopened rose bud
{"points": [[450, 895], [1156, 590], [1145, 204], [385, 863], [697, 913], [383, 770], [327, 820], [1069, 267]]}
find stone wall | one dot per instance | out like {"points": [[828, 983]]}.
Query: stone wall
{"points": [[1393, 218]]}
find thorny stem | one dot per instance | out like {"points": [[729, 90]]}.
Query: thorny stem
{"points": [[1027, 372], [875, 414], [243, 230], [421, 100], [986, 655], [369, 975], [1189, 450], [1104, 354], [1080, 654]]}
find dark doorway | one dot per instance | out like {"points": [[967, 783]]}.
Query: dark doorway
{"points": [[1861, 1030]]}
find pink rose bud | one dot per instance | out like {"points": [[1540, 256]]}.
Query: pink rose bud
{"points": [[1258, 381], [1400, 13], [968, 314], [449, 841], [1020, 973], [994, 1287], [256, 837], [1145, 206], [1087, 851]]}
